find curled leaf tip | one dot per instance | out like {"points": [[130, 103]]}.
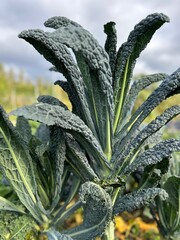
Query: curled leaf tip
{"points": [[109, 26], [58, 21]]}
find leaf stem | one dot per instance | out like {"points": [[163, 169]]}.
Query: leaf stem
{"points": [[120, 103], [108, 149]]}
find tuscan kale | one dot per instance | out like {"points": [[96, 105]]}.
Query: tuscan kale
{"points": [[87, 154]]}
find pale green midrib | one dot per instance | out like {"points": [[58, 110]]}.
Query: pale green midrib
{"points": [[119, 109], [108, 149], [95, 110], [62, 211], [18, 167], [127, 161]]}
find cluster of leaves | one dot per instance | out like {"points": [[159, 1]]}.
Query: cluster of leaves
{"points": [[101, 135]]}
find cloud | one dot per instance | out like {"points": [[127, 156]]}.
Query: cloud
{"points": [[161, 55]]}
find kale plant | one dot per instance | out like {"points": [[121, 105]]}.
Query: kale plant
{"points": [[93, 149]]}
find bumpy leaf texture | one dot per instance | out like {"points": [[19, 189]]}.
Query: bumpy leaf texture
{"points": [[110, 44], [166, 89], [77, 158], [138, 86], [154, 155], [127, 55], [97, 212], [94, 65], [61, 58], [138, 199], [92, 94], [57, 150], [133, 142], [56, 115], [24, 128]]}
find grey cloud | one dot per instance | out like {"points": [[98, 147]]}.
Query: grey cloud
{"points": [[91, 14]]}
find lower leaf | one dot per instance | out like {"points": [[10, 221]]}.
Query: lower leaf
{"points": [[97, 212]]}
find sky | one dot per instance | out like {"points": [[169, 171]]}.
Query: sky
{"points": [[161, 55]]}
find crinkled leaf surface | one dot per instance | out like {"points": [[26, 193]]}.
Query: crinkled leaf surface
{"points": [[152, 174], [57, 151], [24, 128], [127, 55], [60, 57], [80, 40], [133, 142], [56, 115], [97, 212], [138, 199], [167, 88], [137, 86], [78, 160], [93, 62], [15, 226], [16, 163], [51, 100], [154, 155], [111, 42]]}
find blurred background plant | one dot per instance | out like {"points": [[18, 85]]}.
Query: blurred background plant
{"points": [[167, 213], [16, 91]]}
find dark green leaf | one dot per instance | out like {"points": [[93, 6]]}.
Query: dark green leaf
{"points": [[138, 86], [51, 100], [60, 57], [111, 42], [57, 149], [169, 210], [138, 199], [152, 174], [97, 212], [42, 133], [154, 155], [127, 55], [93, 62], [24, 128], [56, 115], [159, 94], [134, 141], [78, 159]]}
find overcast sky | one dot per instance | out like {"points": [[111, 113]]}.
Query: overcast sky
{"points": [[161, 55]]}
